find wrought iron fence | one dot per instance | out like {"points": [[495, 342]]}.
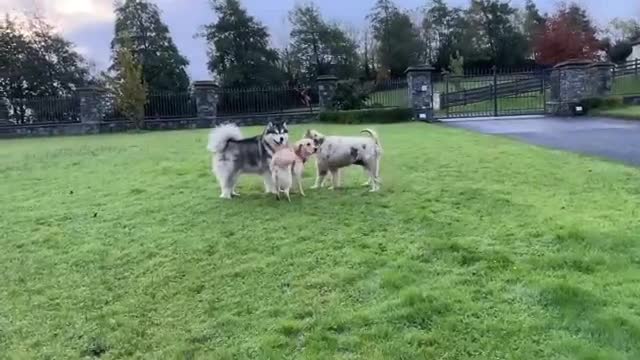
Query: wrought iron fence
{"points": [[626, 79], [497, 95], [239, 101], [158, 106], [388, 93], [40, 110]]}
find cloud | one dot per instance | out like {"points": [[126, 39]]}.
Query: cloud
{"points": [[65, 15]]}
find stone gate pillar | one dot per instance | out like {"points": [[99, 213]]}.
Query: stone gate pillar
{"points": [[421, 92], [91, 104], [327, 85], [206, 94], [570, 85], [601, 79]]}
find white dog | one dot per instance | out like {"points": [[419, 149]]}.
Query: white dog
{"points": [[336, 152]]}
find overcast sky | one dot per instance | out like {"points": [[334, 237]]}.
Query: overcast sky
{"points": [[89, 23]]}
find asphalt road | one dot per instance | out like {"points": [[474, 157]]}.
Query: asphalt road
{"points": [[618, 140]]}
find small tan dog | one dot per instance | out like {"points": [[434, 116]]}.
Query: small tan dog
{"points": [[287, 164]]}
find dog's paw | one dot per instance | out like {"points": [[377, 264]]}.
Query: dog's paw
{"points": [[225, 196]]}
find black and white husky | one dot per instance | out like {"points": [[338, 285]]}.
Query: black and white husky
{"points": [[233, 155]]}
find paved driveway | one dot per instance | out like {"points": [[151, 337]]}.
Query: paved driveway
{"points": [[618, 140]]}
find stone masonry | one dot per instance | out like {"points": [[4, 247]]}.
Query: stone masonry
{"points": [[421, 92], [206, 94], [327, 85], [576, 80]]}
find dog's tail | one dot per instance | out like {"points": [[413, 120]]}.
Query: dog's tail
{"points": [[221, 135], [374, 135]]}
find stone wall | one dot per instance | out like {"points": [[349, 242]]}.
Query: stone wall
{"points": [[13, 131], [577, 80], [420, 88]]}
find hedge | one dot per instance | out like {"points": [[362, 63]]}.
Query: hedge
{"points": [[379, 116], [602, 103]]}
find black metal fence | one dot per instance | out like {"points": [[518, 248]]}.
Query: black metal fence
{"points": [[626, 79], [40, 110], [499, 94], [388, 93], [239, 101], [158, 106]]}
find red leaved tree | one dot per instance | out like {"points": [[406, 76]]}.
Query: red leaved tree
{"points": [[566, 35]]}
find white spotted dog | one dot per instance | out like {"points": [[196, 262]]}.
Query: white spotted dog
{"points": [[337, 152]]}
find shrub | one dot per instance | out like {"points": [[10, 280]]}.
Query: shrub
{"points": [[379, 116], [129, 88], [350, 95], [602, 103]]}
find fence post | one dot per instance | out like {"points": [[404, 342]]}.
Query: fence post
{"points": [[495, 90], [636, 67], [446, 94], [90, 104], [4, 111], [206, 94], [544, 92], [421, 91], [327, 85]]}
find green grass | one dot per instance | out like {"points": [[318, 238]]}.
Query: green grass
{"points": [[626, 85], [477, 247], [625, 112]]}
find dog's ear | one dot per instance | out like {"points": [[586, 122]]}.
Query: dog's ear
{"points": [[299, 149], [284, 126], [307, 134]]}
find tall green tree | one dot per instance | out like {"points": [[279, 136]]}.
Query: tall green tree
{"points": [[163, 67], [533, 23], [239, 51], [399, 43], [496, 33], [129, 87], [35, 61], [445, 34], [322, 48]]}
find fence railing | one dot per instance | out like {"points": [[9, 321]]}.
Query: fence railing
{"points": [[158, 106], [268, 100], [626, 79], [40, 110], [388, 93]]}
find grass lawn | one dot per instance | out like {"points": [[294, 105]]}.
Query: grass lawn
{"points": [[626, 85], [626, 112], [477, 247]]}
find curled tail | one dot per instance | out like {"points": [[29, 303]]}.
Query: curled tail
{"points": [[221, 135], [374, 135]]}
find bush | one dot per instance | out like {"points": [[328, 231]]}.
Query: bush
{"points": [[602, 103], [350, 95], [379, 116]]}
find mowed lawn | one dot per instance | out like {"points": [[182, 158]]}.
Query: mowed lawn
{"points": [[477, 248]]}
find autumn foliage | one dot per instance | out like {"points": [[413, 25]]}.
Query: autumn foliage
{"points": [[566, 35]]}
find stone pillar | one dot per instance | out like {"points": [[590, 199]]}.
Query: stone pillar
{"points": [[601, 79], [421, 92], [4, 111], [206, 94], [327, 85], [91, 104], [570, 85]]}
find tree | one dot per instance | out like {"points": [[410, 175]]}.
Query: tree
{"points": [[163, 67], [37, 62], [495, 32], [239, 52], [129, 87], [445, 33], [399, 44], [567, 34], [532, 24], [621, 33], [322, 48]]}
